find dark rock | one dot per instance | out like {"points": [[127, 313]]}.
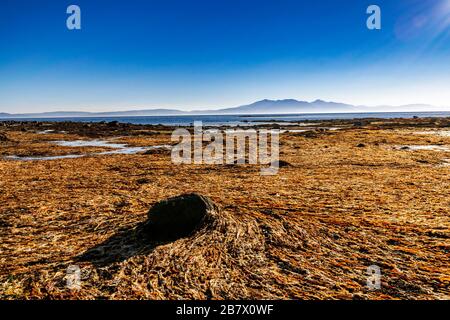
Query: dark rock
{"points": [[281, 164], [404, 148], [392, 242], [142, 181], [180, 216], [157, 151], [361, 145]]}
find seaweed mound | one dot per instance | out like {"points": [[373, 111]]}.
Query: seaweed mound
{"points": [[180, 216]]}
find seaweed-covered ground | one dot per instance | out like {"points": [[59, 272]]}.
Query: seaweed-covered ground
{"points": [[365, 193]]}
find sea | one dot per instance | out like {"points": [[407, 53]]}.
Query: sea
{"points": [[241, 119]]}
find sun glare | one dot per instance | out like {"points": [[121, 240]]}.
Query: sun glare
{"points": [[440, 19], [445, 11]]}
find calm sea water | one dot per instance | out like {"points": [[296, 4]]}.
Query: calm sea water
{"points": [[233, 120]]}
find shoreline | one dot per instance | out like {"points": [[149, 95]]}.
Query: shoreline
{"points": [[375, 192]]}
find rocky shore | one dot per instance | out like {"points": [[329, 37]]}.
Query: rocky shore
{"points": [[352, 194]]}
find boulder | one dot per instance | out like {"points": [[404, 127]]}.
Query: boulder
{"points": [[162, 151], [142, 181], [179, 217], [3, 137]]}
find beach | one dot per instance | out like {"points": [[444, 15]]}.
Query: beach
{"points": [[353, 193]]}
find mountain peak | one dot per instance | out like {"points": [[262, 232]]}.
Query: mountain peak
{"points": [[265, 106]]}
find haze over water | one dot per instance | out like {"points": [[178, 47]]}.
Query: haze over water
{"points": [[218, 120]]}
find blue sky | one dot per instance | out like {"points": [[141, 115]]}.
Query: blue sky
{"points": [[209, 54]]}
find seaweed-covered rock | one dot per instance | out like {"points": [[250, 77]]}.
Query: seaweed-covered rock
{"points": [[113, 123], [179, 216]]}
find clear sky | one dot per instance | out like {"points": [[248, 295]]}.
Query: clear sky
{"points": [[193, 54]]}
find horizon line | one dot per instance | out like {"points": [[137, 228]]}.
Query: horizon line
{"points": [[218, 109]]}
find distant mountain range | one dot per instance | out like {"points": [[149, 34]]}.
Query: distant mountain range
{"points": [[259, 107]]}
